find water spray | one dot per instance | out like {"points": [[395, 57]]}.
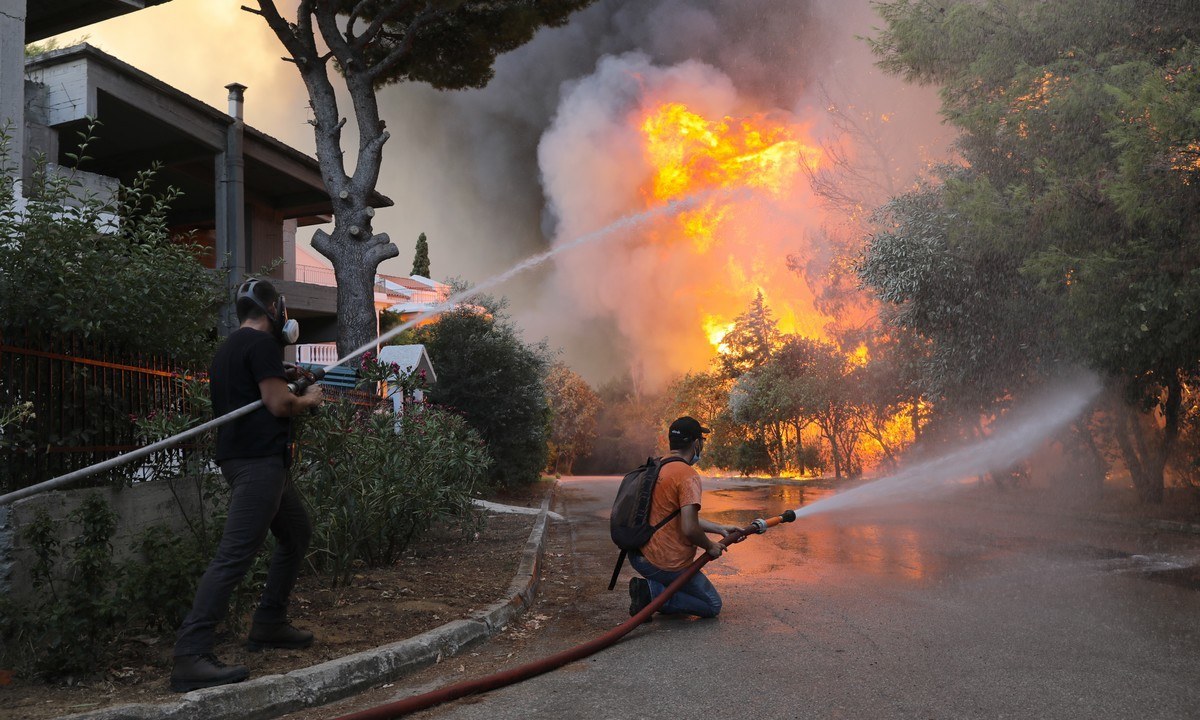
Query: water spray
{"points": [[1014, 439], [1019, 436], [629, 221]]}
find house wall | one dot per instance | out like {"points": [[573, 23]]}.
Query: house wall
{"points": [[67, 96], [264, 236], [12, 78]]}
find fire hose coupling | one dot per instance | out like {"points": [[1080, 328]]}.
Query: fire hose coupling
{"points": [[759, 526]]}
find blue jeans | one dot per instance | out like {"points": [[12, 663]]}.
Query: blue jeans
{"points": [[697, 596], [261, 499]]}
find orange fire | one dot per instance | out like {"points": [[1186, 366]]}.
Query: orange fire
{"points": [[691, 154]]}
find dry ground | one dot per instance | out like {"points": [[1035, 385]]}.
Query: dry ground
{"points": [[444, 576]]}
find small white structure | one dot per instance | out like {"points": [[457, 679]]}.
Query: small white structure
{"points": [[410, 359]]}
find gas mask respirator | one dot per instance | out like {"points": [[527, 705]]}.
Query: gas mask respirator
{"points": [[285, 331]]}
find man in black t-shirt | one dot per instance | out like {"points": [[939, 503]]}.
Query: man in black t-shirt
{"points": [[253, 452]]}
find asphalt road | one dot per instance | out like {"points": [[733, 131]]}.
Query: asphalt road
{"points": [[983, 605]]}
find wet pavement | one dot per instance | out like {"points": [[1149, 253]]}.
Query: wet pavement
{"points": [[980, 605]]}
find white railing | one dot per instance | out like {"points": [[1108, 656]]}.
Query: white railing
{"points": [[315, 275], [317, 353]]}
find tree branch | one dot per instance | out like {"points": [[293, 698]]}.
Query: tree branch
{"points": [[393, 11], [299, 40], [404, 46]]}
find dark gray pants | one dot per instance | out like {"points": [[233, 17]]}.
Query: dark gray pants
{"points": [[261, 499]]}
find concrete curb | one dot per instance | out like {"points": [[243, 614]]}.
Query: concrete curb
{"points": [[273, 695]]}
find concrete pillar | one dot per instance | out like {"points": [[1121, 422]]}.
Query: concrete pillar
{"points": [[231, 206], [289, 250], [12, 81]]}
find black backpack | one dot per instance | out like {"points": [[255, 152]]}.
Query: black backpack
{"points": [[629, 523]]}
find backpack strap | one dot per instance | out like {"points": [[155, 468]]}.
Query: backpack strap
{"points": [[612, 583]]}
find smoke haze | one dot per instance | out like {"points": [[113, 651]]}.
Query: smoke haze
{"points": [[548, 151]]}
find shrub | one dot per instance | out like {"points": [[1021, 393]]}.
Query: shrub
{"points": [[74, 613], [374, 482], [497, 381], [103, 267]]}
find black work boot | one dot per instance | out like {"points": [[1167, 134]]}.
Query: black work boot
{"points": [[277, 635], [639, 595], [192, 672]]}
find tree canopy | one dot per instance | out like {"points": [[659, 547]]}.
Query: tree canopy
{"points": [[1069, 232], [421, 258], [574, 407]]}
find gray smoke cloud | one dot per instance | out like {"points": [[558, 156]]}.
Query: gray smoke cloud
{"points": [[546, 152]]}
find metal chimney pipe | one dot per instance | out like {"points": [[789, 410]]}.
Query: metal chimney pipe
{"points": [[237, 99]]}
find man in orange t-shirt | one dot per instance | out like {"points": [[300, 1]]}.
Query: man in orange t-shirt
{"points": [[673, 547]]}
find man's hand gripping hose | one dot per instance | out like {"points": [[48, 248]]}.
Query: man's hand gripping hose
{"points": [[415, 703]]}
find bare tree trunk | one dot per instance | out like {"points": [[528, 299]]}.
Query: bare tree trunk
{"points": [[353, 248]]}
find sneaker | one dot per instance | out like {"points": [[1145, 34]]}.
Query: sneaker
{"points": [[639, 595], [192, 672], [277, 635]]}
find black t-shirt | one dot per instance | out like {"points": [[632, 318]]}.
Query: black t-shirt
{"points": [[247, 357]]}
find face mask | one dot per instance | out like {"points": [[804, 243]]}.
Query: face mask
{"points": [[286, 331], [696, 457]]}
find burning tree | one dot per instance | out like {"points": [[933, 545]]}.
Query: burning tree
{"points": [[450, 44]]}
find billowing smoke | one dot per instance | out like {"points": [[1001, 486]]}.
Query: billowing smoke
{"points": [[647, 302], [551, 148], [666, 286]]}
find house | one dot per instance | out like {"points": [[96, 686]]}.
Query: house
{"points": [[244, 193]]}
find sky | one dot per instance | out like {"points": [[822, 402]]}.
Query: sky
{"points": [[550, 150]]}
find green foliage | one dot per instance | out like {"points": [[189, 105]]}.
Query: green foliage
{"points": [[66, 628], [1071, 232], [374, 482], [389, 320], [421, 258], [751, 341], [497, 381], [573, 410], [957, 288], [74, 260], [452, 45], [160, 580]]}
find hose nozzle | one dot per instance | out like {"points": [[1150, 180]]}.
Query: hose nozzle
{"points": [[307, 377], [788, 516]]}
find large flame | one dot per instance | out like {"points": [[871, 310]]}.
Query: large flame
{"points": [[691, 154]]}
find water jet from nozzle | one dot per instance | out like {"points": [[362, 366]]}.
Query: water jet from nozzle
{"points": [[1015, 437]]}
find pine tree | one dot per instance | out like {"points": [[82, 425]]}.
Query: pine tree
{"points": [[421, 258], [753, 339]]}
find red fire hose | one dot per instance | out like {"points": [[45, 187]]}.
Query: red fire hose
{"points": [[412, 704]]}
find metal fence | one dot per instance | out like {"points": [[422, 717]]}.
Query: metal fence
{"points": [[71, 402]]}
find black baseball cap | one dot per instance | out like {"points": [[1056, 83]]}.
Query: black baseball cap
{"points": [[686, 429]]}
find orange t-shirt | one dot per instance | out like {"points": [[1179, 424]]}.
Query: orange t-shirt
{"points": [[678, 485]]}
